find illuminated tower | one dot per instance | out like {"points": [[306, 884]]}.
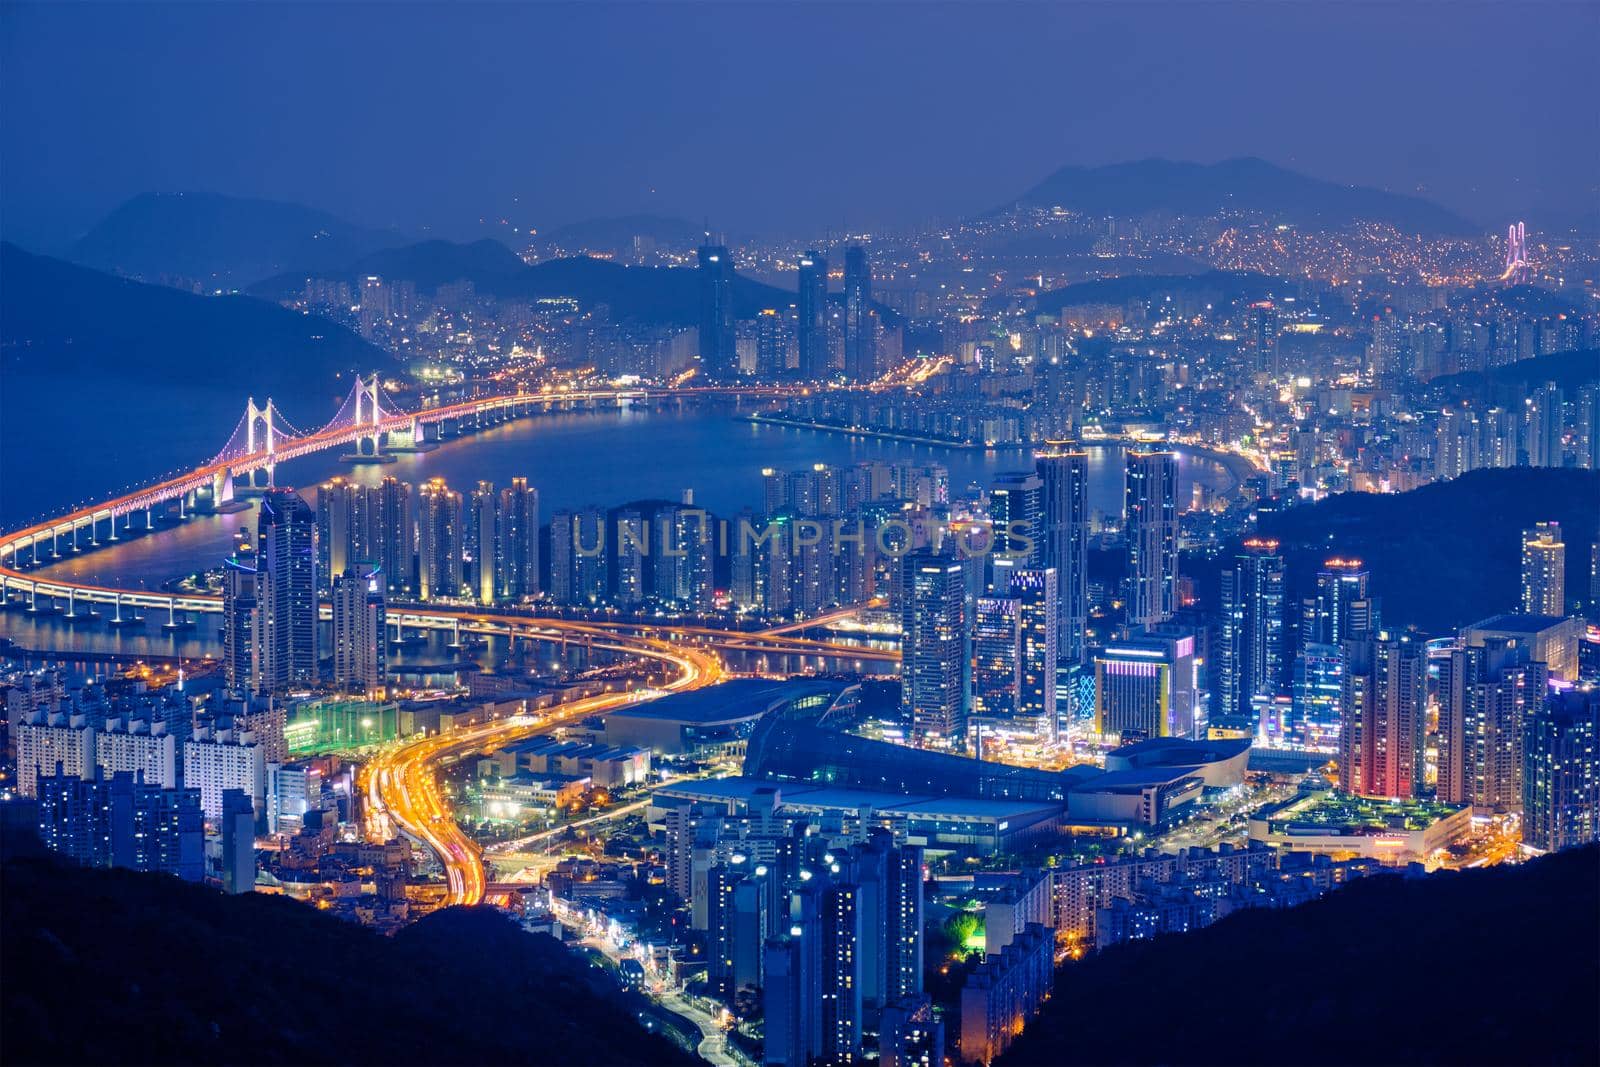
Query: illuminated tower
{"points": [[439, 541], [519, 517], [359, 652], [1036, 592], [1016, 505], [860, 320], [485, 543], [1383, 706], [717, 355], [1064, 525], [811, 332], [1152, 527], [1561, 773], [238, 624], [286, 593], [933, 646], [1250, 646], [1544, 565]]}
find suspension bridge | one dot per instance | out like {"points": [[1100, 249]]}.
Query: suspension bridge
{"points": [[372, 425]]}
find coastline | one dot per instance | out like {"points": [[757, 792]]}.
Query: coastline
{"points": [[882, 435]]}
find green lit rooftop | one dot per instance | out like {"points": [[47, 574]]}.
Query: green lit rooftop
{"points": [[1337, 812]]}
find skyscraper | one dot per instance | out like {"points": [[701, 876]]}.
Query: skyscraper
{"points": [[239, 610], [1384, 707], [439, 541], [1250, 650], [1342, 607], [286, 593], [718, 357], [996, 658], [933, 646], [811, 331], [519, 516], [1152, 527], [860, 318], [1065, 529], [360, 654], [1038, 607], [1016, 507], [1544, 570], [1561, 774]]}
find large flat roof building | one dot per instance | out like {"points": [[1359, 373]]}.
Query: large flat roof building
{"points": [[721, 715], [967, 824], [1393, 831]]}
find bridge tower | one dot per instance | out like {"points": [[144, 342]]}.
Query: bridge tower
{"points": [[263, 429], [368, 415]]}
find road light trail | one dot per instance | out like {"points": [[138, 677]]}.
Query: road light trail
{"points": [[401, 785]]}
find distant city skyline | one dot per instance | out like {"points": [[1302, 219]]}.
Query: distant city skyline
{"points": [[688, 112]]}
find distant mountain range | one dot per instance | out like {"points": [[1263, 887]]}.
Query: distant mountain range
{"points": [[665, 295], [138, 379], [1219, 285], [618, 233], [1249, 184], [221, 241]]}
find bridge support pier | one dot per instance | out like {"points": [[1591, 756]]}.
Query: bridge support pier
{"points": [[119, 619], [176, 620]]}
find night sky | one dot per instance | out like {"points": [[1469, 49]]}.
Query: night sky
{"points": [[769, 117]]}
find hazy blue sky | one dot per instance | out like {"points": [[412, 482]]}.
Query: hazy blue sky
{"points": [[759, 116]]}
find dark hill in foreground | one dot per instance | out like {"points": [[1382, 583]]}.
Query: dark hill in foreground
{"points": [[1495, 966], [1449, 553], [115, 967]]}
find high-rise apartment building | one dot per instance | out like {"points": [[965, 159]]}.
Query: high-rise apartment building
{"points": [[360, 653], [519, 515], [439, 541], [485, 540], [1384, 706], [1544, 570], [1561, 773], [1486, 694]]}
